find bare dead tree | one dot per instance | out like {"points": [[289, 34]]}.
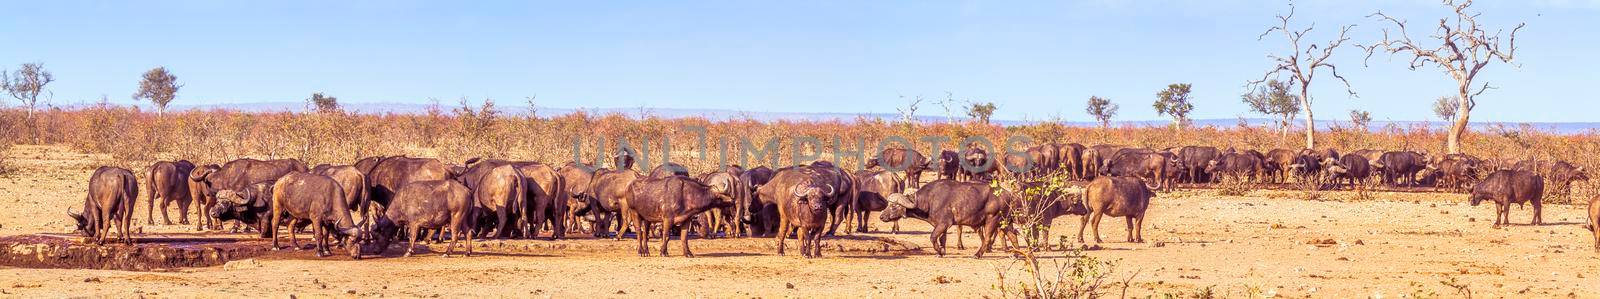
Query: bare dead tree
{"points": [[1302, 63], [1464, 49], [909, 113]]}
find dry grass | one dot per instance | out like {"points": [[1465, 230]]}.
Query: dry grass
{"points": [[134, 137]]}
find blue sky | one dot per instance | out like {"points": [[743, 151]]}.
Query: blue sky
{"points": [[1036, 60]]}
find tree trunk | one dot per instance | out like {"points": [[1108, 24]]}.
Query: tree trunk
{"points": [[1311, 125], [1459, 127]]}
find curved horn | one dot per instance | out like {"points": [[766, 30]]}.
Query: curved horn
{"points": [[799, 191], [900, 199], [830, 189]]}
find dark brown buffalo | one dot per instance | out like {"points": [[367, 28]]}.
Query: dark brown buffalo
{"points": [[1400, 167], [577, 179], [1560, 174], [203, 201], [251, 205], [1071, 156], [1352, 168], [386, 175], [433, 204], [607, 197], [354, 186], [669, 169], [1045, 159], [672, 201], [1154, 166], [1506, 187], [108, 204], [624, 158], [498, 188], [909, 161], [1046, 207], [1453, 174], [1128, 151], [545, 199], [975, 163], [844, 199], [1237, 166], [949, 164], [1277, 165], [300, 198], [802, 196], [1094, 159], [946, 203], [168, 182], [759, 217], [1116, 197], [1194, 160], [872, 195], [241, 173], [725, 219]]}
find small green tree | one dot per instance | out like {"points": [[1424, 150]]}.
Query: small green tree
{"points": [[1102, 109], [324, 103], [1174, 101], [1274, 99], [159, 87], [981, 111]]}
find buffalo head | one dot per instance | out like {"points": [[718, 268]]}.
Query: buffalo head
{"points": [[82, 223], [898, 204], [814, 196]]}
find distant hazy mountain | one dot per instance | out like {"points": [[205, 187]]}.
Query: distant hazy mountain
{"points": [[724, 114]]}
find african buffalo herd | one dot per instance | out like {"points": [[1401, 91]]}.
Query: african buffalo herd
{"points": [[365, 207]]}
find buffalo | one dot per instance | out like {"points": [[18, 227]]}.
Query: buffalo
{"points": [[669, 169], [1351, 167], [726, 184], [1560, 174], [1116, 197], [802, 196], [907, 160], [872, 194], [1155, 166], [844, 195], [608, 195], [1277, 165], [168, 182], [108, 204], [1506, 187], [1238, 166], [354, 186], [975, 162], [671, 201], [1194, 160], [576, 178], [203, 201], [1400, 167], [386, 175], [760, 217], [545, 200], [1071, 156], [1594, 221], [301, 197], [498, 188], [433, 204], [946, 203], [251, 205], [242, 173], [949, 164]]}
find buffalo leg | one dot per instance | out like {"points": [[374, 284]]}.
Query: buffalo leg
{"points": [[938, 237], [643, 234], [164, 203], [1538, 211], [1129, 220], [960, 236], [150, 213], [683, 236], [1095, 226], [987, 236], [666, 234], [1081, 225], [783, 232], [413, 232], [1138, 228], [320, 243]]}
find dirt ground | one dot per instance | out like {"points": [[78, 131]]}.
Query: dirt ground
{"points": [[1267, 243]]}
